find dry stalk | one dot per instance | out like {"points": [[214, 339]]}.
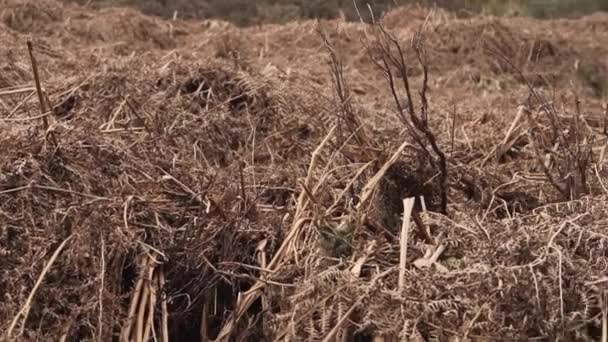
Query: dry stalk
{"points": [[605, 121], [307, 193], [302, 198], [109, 126], [20, 104], [262, 261], [54, 189], [11, 91], [358, 265], [428, 261], [153, 281], [604, 304], [348, 187], [28, 303], [101, 287], [163, 307], [35, 117], [408, 205], [38, 87], [371, 185], [137, 334], [511, 136], [126, 331]]}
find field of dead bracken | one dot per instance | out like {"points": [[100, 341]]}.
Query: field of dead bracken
{"points": [[421, 177]]}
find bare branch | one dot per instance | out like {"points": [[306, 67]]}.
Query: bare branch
{"points": [[387, 54]]}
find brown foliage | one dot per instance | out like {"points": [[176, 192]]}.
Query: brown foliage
{"points": [[199, 180]]}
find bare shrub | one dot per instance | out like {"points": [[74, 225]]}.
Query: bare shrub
{"points": [[388, 56]]}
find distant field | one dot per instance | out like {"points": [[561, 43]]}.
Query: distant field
{"points": [[245, 12]]}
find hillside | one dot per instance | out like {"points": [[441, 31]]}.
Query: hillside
{"points": [[194, 180]]}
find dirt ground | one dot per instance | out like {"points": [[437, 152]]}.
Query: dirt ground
{"points": [[195, 181]]}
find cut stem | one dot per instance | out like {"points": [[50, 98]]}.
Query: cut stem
{"points": [[38, 87], [126, 333], [163, 307], [408, 205]]}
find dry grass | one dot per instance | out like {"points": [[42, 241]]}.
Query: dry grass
{"points": [[200, 181]]}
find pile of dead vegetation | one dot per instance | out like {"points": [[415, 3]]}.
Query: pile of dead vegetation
{"points": [[117, 28], [466, 50], [478, 53], [187, 195], [173, 174], [506, 259]]}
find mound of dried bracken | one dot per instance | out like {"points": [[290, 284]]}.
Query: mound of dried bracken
{"points": [[167, 180]]}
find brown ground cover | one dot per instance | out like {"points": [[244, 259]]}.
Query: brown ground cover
{"points": [[191, 180]]}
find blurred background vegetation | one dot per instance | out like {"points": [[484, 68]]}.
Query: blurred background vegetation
{"points": [[252, 12]]}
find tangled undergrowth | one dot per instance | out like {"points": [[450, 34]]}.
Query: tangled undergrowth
{"points": [[180, 181]]}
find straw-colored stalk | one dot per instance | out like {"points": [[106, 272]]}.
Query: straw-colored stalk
{"points": [[153, 281], [408, 205], [163, 308], [126, 331], [25, 310]]}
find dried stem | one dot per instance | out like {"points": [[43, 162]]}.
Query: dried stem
{"points": [[153, 281], [605, 121], [138, 333], [408, 205], [101, 288], [38, 87], [126, 332], [163, 307], [28, 303]]}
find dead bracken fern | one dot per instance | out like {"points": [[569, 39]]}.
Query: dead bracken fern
{"points": [[563, 146], [207, 182]]}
